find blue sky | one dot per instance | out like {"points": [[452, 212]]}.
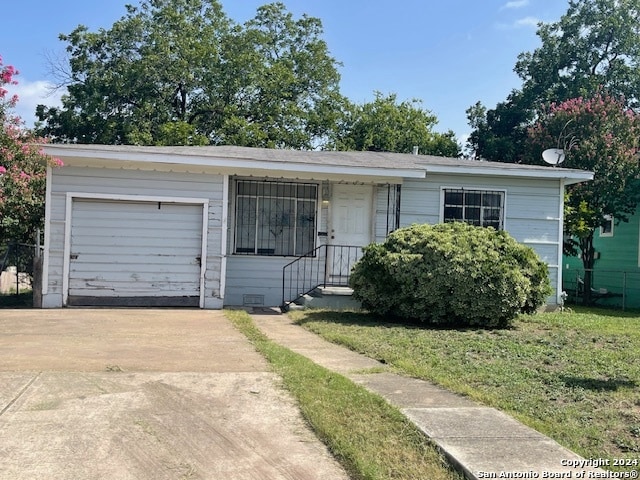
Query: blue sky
{"points": [[447, 53]]}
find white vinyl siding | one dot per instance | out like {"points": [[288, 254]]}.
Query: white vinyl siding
{"points": [[145, 184], [254, 280], [531, 208]]}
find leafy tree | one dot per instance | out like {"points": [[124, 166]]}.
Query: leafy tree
{"points": [[594, 47], [602, 135], [181, 72], [499, 134], [288, 95], [22, 171], [385, 125]]}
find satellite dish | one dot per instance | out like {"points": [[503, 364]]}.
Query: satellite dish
{"points": [[553, 156]]}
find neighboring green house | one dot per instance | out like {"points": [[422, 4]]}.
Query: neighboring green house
{"points": [[616, 277]]}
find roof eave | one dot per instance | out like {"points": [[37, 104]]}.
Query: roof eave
{"points": [[232, 163], [569, 176]]}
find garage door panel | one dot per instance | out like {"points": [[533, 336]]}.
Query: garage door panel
{"points": [[132, 250], [160, 270], [180, 221], [153, 226], [107, 287], [152, 263], [182, 241], [100, 245]]}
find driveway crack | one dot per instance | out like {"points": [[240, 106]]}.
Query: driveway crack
{"points": [[20, 393]]}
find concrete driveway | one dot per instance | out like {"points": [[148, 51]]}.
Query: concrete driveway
{"points": [[145, 394]]}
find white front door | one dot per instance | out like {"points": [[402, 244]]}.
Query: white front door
{"points": [[350, 226]]}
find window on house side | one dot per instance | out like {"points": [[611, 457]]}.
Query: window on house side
{"points": [[275, 218], [606, 229], [482, 208]]}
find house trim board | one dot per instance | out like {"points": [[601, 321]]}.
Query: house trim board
{"points": [[559, 299], [569, 178], [234, 164], [224, 235], [47, 232], [421, 168]]}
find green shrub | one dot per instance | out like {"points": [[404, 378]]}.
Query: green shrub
{"points": [[451, 274]]}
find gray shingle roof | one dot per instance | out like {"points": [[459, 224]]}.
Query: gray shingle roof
{"points": [[288, 159], [327, 158]]}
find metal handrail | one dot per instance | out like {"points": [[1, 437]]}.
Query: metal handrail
{"points": [[326, 265]]}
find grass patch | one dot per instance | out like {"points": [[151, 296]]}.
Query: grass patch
{"points": [[372, 439], [572, 376]]}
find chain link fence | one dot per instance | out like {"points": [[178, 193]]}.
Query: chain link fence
{"points": [[17, 265], [612, 288]]}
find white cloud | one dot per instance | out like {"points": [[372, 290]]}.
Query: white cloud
{"points": [[526, 22], [516, 4], [32, 94]]}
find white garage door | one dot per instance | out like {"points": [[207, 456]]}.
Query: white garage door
{"points": [[129, 253]]}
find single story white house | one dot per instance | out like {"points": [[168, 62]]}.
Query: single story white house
{"points": [[215, 226]]}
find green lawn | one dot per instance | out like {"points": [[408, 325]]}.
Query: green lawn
{"points": [[573, 376], [372, 439]]}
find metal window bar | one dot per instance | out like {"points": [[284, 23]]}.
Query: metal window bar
{"points": [[460, 204], [271, 217]]}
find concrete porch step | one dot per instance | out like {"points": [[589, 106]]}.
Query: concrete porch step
{"points": [[333, 290], [331, 297]]}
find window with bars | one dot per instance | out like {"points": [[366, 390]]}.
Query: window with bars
{"points": [[275, 218], [477, 207]]}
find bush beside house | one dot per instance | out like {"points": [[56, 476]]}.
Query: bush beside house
{"points": [[451, 274]]}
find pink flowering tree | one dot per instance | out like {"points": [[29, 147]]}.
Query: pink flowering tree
{"points": [[601, 135], [23, 167]]}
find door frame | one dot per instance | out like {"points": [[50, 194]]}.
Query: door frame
{"points": [[204, 202]]}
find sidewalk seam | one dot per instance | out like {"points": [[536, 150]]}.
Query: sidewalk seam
{"points": [[20, 393]]}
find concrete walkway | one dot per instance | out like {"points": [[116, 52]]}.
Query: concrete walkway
{"points": [[482, 442]]}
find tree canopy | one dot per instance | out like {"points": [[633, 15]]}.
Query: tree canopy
{"points": [[599, 134], [181, 72], [22, 170], [594, 47], [385, 125]]}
